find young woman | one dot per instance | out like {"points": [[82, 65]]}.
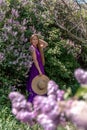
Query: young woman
{"points": [[37, 68]]}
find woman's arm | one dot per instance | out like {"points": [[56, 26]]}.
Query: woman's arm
{"points": [[36, 62], [43, 43]]}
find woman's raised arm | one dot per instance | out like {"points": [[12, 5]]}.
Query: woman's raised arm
{"points": [[43, 43]]}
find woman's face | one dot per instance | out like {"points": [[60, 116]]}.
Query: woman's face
{"points": [[34, 40]]}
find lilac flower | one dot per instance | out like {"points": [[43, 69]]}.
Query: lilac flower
{"points": [[21, 108], [25, 116], [52, 97], [19, 105], [1, 1], [24, 22], [2, 56], [60, 94], [81, 76], [10, 21], [52, 87], [16, 95], [22, 28], [14, 111], [14, 33], [77, 113], [15, 13], [46, 122]]}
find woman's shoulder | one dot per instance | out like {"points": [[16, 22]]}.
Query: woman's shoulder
{"points": [[31, 48]]}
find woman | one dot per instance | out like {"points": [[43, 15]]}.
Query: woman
{"points": [[37, 68]]}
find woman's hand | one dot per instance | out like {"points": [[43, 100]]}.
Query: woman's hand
{"points": [[43, 43], [40, 73]]}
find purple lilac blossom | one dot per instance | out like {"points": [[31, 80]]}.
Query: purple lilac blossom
{"points": [[15, 13], [76, 111], [49, 111], [44, 110], [81, 76]]}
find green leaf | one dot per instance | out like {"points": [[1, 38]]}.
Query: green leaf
{"points": [[81, 92]]}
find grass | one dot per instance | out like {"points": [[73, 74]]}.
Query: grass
{"points": [[8, 122]]}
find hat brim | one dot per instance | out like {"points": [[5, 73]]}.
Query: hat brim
{"points": [[34, 84]]}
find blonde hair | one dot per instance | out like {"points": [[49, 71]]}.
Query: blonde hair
{"points": [[39, 47]]}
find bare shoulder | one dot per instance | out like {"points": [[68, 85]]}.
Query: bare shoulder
{"points": [[33, 52], [31, 48]]}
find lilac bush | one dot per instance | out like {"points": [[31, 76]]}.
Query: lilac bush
{"points": [[52, 110], [14, 43], [13, 33]]}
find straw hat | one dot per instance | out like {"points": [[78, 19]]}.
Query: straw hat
{"points": [[39, 84]]}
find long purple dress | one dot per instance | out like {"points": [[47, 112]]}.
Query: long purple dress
{"points": [[34, 72]]}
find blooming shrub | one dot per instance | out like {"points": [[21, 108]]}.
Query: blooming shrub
{"points": [[15, 59], [52, 110]]}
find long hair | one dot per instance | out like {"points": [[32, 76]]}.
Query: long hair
{"points": [[39, 47]]}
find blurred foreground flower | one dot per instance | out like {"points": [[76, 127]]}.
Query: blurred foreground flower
{"points": [[81, 76], [76, 111], [44, 110], [51, 110]]}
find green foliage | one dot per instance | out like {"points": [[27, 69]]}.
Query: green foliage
{"points": [[82, 92], [60, 64]]}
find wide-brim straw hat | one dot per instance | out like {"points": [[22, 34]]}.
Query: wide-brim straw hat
{"points": [[39, 84]]}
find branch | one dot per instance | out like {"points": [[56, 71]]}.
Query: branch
{"points": [[71, 34]]}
